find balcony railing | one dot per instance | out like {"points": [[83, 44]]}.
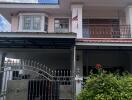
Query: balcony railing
{"points": [[106, 31]]}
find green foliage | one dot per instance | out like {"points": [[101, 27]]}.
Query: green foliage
{"points": [[107, 87]]}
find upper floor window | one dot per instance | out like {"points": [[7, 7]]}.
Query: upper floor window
{"points": [[61, 25], [33, 22]]}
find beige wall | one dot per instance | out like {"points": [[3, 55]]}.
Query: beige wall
{"points": [[14, 23], [51, 24]]}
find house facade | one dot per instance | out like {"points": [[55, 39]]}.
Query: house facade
{"points": [[53, 47]]}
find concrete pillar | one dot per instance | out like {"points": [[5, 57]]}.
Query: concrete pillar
{"points": [[2, 59], [73, 60], [14, 23], [128, 11], [130, 66], [51, 24], [79, 62], [77, 19], [79, 71]]}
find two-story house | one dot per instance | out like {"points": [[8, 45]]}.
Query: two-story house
{"points": [[52, 47]]}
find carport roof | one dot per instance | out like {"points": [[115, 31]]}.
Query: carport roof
{"points": [[37, 40], [37, 43], [104, 42]]}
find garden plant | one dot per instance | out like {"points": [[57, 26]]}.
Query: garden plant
{"points": [[107, 86]]}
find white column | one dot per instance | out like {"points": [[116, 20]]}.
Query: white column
{"points": [[77, 19], [128, 11], [79, 71]]}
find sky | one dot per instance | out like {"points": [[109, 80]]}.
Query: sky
{"points": [[5, 26], [31, 1]]}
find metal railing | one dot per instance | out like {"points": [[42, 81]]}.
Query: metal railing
{"points": [[106, 31], [35, 66]]}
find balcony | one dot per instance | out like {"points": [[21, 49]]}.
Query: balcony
{"points": [[106, 31]]}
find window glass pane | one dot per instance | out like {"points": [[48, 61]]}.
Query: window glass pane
{"points": [[36, 22], [57, 25], [27, 22], [62, 25], [57, 21], [46, 24], [46, 28], [46, 20]]}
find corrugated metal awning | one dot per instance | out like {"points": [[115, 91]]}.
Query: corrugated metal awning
{"points": [[55, 43]]}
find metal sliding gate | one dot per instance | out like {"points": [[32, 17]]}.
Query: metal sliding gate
{"points": [[29, 80]]}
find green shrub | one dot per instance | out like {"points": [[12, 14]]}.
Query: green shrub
{"points": [[105, 86]]}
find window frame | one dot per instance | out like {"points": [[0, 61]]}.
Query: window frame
{"points": [[42, 22], [65, 23], [34, 21]]}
